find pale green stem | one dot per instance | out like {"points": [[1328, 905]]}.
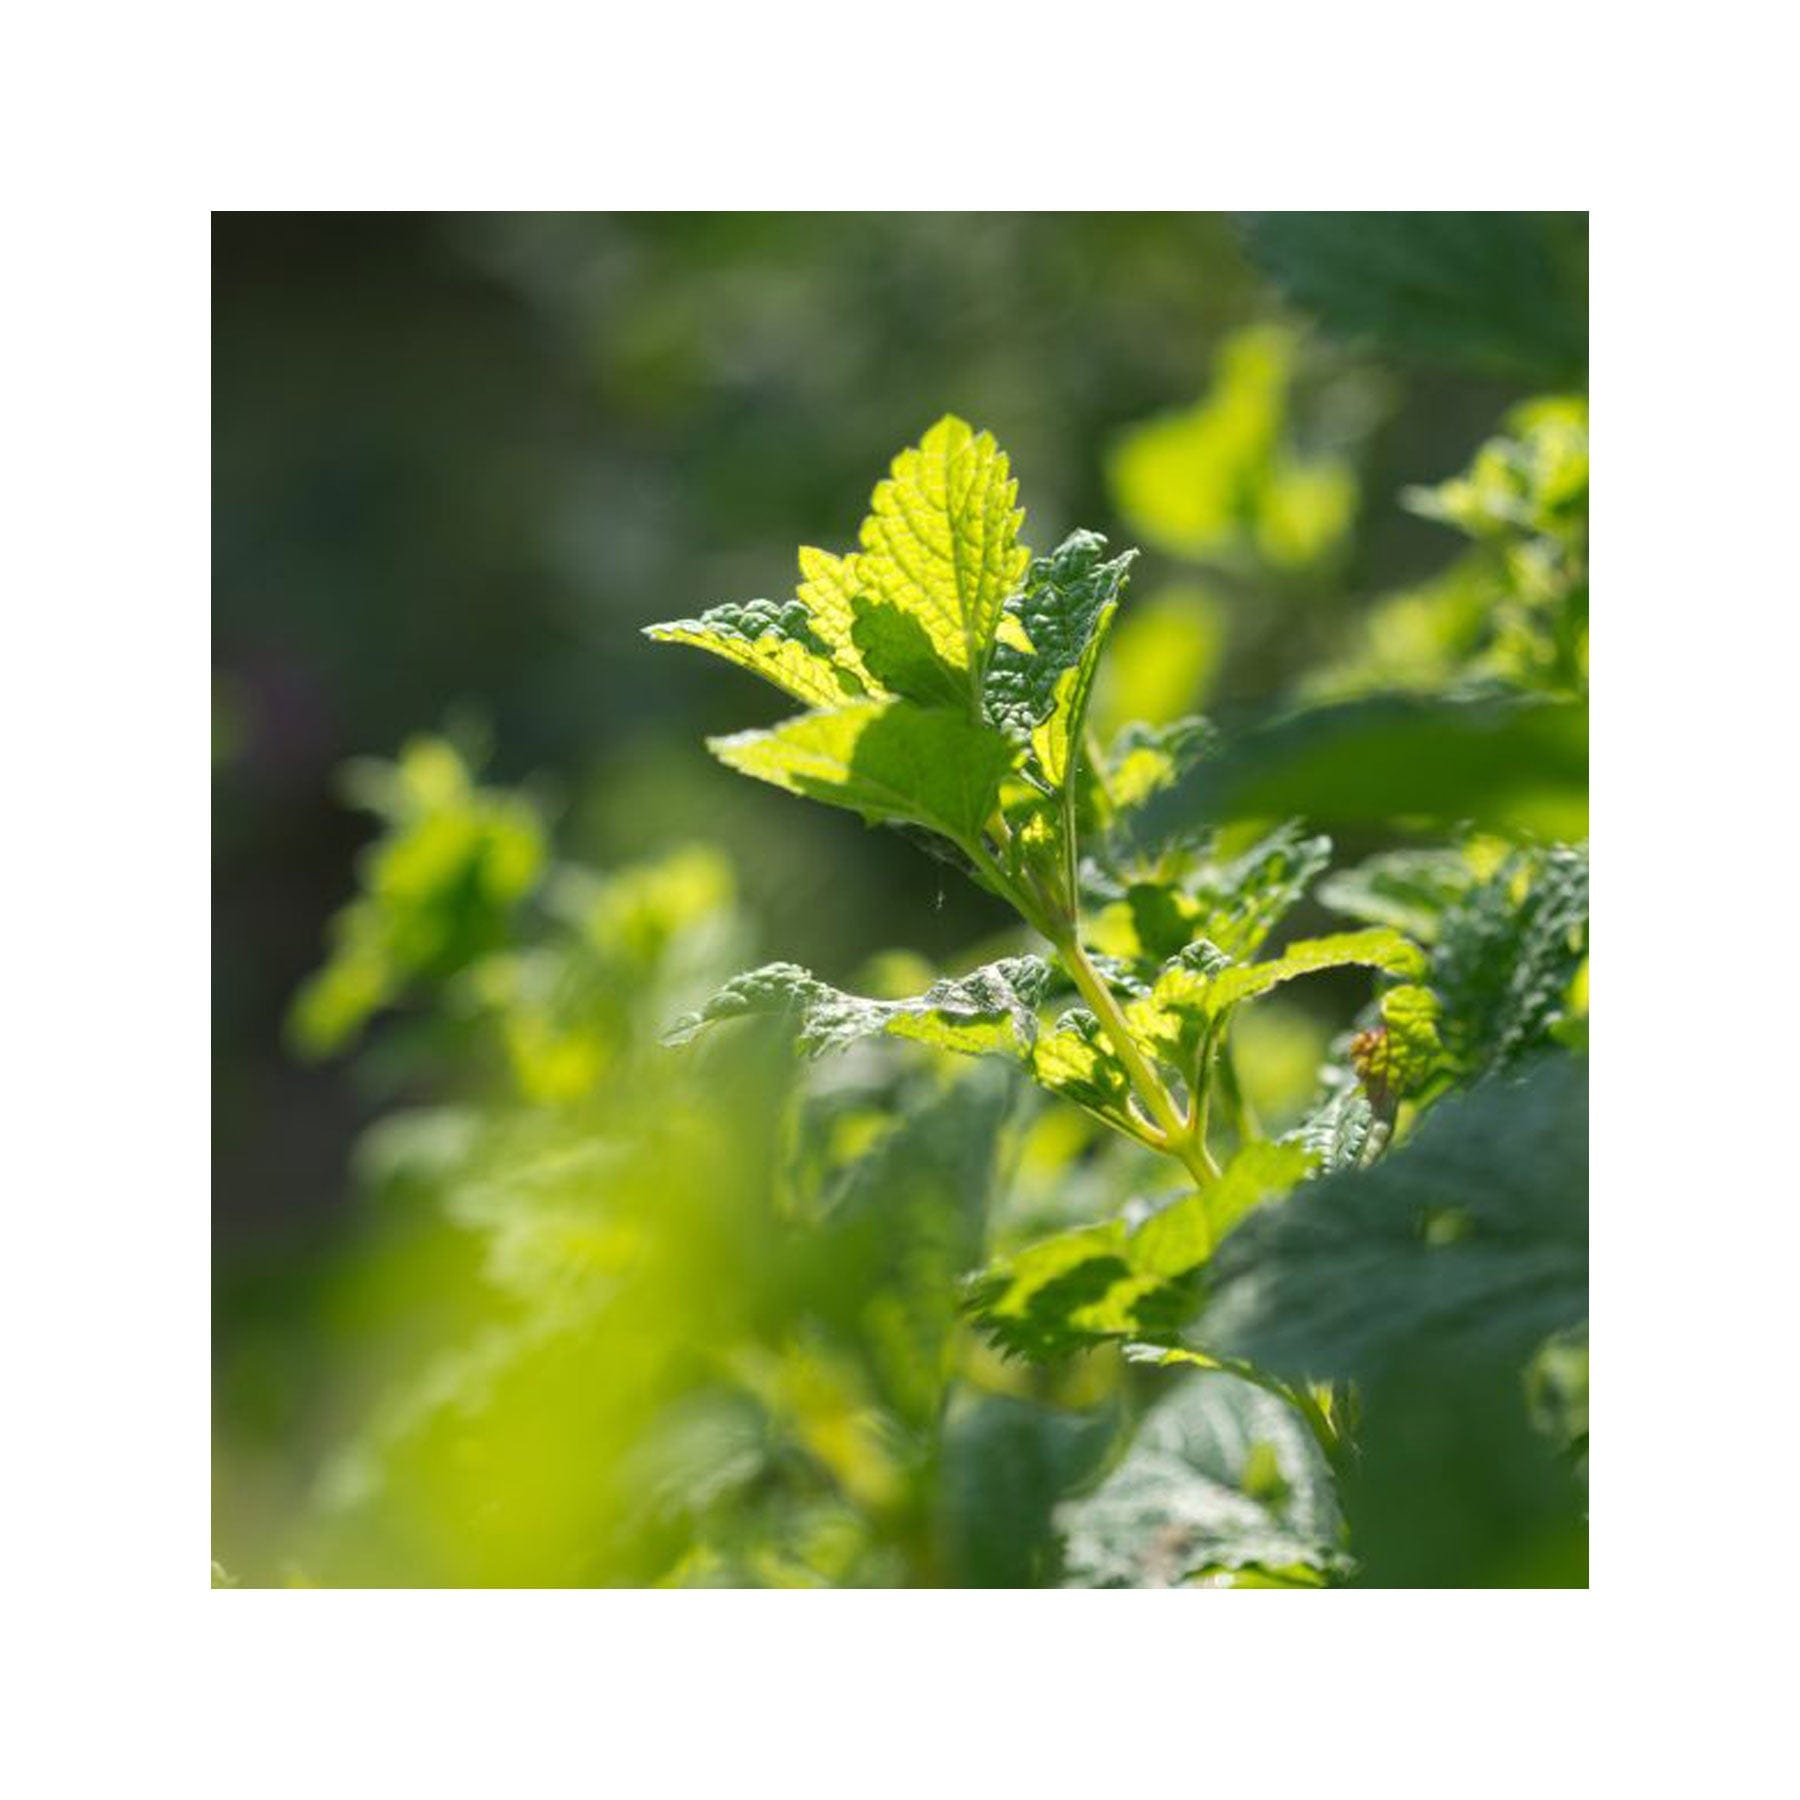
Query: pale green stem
{"points": [[1178, 1141]]}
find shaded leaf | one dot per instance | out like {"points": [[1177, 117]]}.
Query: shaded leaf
{"points": [[1075, 1061], [987, 1012], [1339, 1129], [1040, 694], [1506, 764], [1410, 890], [1005, 1464], [1219, 1477], [1507, 957], [898, 653], [904, 1223], [1473, 1233], [1499, 291]]}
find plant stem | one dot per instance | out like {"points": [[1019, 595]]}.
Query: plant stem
{"points": [[1178, 1138]]}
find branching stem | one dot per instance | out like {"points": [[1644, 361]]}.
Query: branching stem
{"points": [[1178, 1138]]}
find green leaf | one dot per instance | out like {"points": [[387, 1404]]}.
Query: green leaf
{"points": [[987, 1012], [1532, 481], [1339, 1128], [1410, 890], [1201, 985], [1507, 957], [1117, 1279], [438, 889], [898, 652], [828, 590], [902, 1225], [1504, 292], [1182, 1236], [1220, 1477], [1571, 1030], [1233, 903], [1040, 694], [1005, 1464], [778, 642], [1239, 901], [1377, 948], [1404, 1052], [941, 543], [1455, 1485], [889, 760], [1509, 765], [1076, 1062], [1215, 481], [1144, 759], [1472, 1236]]}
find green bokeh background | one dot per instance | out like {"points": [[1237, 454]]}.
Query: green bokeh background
{"points": [[460, 461]]}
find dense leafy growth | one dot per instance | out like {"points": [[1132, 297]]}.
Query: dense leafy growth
{"points": [[1166, 1285]]}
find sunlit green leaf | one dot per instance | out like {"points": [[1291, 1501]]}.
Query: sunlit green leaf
{"points": [[778, 643], [941, 543], [438, 889], [1202, 985], [886, 759], [1118, 1279], [1396, 1058], [1214, 482], [1144, 759]]}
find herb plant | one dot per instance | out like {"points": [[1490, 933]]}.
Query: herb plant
{"points": [[947, 675], [1073, 1311]]}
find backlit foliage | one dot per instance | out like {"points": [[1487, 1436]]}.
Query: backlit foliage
{"points": [[1093, 1261]]}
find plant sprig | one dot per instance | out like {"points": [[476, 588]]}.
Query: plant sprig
{"points": [[947, 675]]}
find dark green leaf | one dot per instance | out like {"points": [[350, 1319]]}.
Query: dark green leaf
{"points": [[1508, 954], [1473, 1233], [1040, 694], [1504, 292], [1006, 1463], [1508, 765]]}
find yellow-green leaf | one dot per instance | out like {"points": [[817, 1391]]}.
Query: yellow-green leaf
{"points": [[1201, 985], [886, 759], [1377, 948], [942, 542], [1116, 1280], [779, 643]]}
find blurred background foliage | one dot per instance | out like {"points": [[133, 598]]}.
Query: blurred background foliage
{"points": [[459, 463]]}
